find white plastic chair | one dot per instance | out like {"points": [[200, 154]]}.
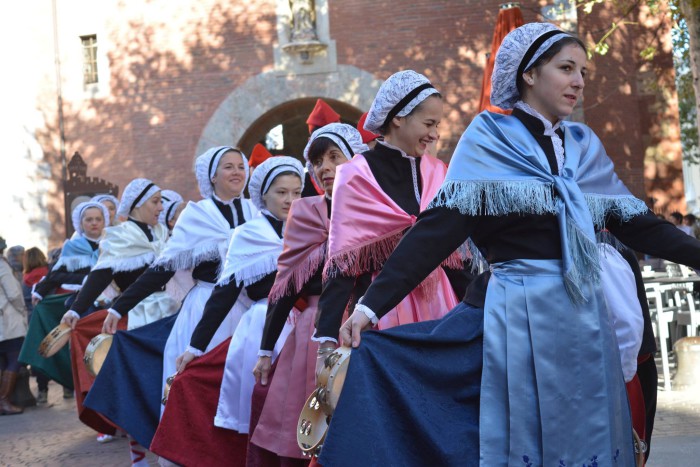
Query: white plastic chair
{"points": [[661, 315]]}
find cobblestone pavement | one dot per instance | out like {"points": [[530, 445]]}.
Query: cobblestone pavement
{"points": [[52, 435]]}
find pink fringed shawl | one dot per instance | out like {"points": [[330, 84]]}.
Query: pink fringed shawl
{"points": [[305, 243], [367, 224], [365, 227]]}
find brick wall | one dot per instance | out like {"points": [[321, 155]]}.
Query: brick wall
{"points": [[171, 67]]}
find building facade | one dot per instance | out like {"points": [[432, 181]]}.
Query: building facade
{"points": [[146, 86]]}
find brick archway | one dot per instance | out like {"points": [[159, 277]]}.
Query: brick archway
{"points": [[262, 93]]}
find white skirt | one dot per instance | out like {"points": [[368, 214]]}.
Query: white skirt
{"points": [[233, 410], [190, 314], [152, 308]]}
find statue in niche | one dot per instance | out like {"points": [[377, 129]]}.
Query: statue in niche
{"points": [[303, 21]]}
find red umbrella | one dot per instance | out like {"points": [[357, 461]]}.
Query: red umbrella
{"points": [[509, 18]]}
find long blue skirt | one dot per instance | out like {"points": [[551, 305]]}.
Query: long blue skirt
{"points": [[552, 392], [128, 388], [411, 396]]}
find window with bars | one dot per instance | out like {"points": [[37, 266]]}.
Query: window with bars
{"points": [[89, 59]]}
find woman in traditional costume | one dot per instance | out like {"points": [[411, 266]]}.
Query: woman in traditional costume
{"points": [[173, 204], [377, 197], [187, 433], [125, 252], [182, 281], [111, 203], [78, 255], [273, 435], [130, 391], [529, 189]]}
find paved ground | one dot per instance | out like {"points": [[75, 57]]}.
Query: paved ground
{"points": [[51, 435]]}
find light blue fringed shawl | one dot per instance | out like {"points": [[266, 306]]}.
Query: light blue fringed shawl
{"points": [[498, 168], [77, 254]]}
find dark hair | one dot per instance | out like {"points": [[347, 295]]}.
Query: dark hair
{"points": [[319, 147], [690, 218], [547, 56], [34, 258], [286, 172], [678, 216], [384, 129]]}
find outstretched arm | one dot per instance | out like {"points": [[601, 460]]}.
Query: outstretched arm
{"points": [[651, 235], [436, 235]]}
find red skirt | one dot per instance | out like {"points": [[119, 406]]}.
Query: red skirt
{"points": [[186, 434], [87, 328], [637, 407]]}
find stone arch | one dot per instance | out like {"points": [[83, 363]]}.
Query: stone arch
{"points": [[266, 91]]}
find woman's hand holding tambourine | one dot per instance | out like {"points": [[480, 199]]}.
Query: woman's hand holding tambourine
{"points": [[110, 324], [351, 329], [70, 319], [183, 360]]}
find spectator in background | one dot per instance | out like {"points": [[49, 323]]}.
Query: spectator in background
{"points": [[689, 220], [14, 257], [35, 268], [676, 218], [13, 327]]}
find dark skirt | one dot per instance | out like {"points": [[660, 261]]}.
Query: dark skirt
{"points": [[128, 388], [257, 456], [187, 434], [87, 328], [411, 396], [46, 316]]}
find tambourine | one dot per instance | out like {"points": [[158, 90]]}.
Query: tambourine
{"points": [[316, 414], [640, 447], [55, 340], [96, 352], [312, 426], [332, 377], [166, 390]]}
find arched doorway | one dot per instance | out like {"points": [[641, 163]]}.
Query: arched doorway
{"points": [[283, 130], [270, 99]]}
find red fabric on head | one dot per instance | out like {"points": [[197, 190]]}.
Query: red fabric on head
{"points": [[367, 136], [259, 155], [322, 115], [508, 19]]}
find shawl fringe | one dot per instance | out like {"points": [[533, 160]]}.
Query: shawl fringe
{"points": [[604, 236], [73, 263], [622, 207], [127, 264], [496, 198], [364, 258], [252, 273], [585, 262], [188, 259], [300, 275], [469, 252]]}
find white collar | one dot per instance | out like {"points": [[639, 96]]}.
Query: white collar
{"points": [[549, 129]]}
